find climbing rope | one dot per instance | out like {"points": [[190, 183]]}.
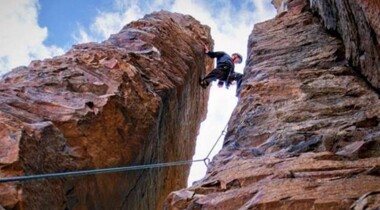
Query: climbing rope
{"points": [[97, 171], [206, 160]]}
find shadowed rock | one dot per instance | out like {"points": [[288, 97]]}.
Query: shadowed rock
{"points": [[357, 23]]}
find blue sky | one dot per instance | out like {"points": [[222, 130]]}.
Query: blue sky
{"points": [[38, 29], [62, 18]]}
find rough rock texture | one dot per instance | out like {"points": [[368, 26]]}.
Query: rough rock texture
{"points": [[305, 133], [358, 24], [132, 99]]}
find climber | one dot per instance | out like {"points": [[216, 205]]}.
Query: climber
{"points": [[224, 70]]}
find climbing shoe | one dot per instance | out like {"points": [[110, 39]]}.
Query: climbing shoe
{"points": [[203, 83]]}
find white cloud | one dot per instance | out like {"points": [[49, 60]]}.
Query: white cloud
{"points": [[107, 23], [21, 39], [265, 10], [81, 36]]}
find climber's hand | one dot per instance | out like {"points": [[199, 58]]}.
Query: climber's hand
{"points": [[206, 48]]}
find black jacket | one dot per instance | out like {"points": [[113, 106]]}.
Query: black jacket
{"points": [[223, 60]]}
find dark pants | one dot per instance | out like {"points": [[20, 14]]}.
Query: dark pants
{"points": [[220, 72], [223, 74], [234, 76]]}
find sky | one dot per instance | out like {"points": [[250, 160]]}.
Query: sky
{"points": [[38, 29]]}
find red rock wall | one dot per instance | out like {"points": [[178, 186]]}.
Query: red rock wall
{"points": [[305, 133], [132, 99]]}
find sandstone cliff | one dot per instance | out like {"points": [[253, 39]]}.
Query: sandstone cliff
{"points": [[305, 133], [132, 99]]}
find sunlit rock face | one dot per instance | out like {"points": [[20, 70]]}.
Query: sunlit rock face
{"points": [[132, 99], [305, 133]]}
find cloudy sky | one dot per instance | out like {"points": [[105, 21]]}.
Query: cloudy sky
{"points": [[37, 29]]}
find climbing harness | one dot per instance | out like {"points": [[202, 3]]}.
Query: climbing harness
{"points": [[206, 161]]}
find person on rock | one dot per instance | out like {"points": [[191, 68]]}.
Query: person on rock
{"points": [[224, 71]]}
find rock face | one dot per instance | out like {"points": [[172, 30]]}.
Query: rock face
{"points": [[305, 133], [132, 99], [358, 24]]}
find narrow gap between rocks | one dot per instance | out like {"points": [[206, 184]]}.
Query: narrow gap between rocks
{"points": [[222, 101]]}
